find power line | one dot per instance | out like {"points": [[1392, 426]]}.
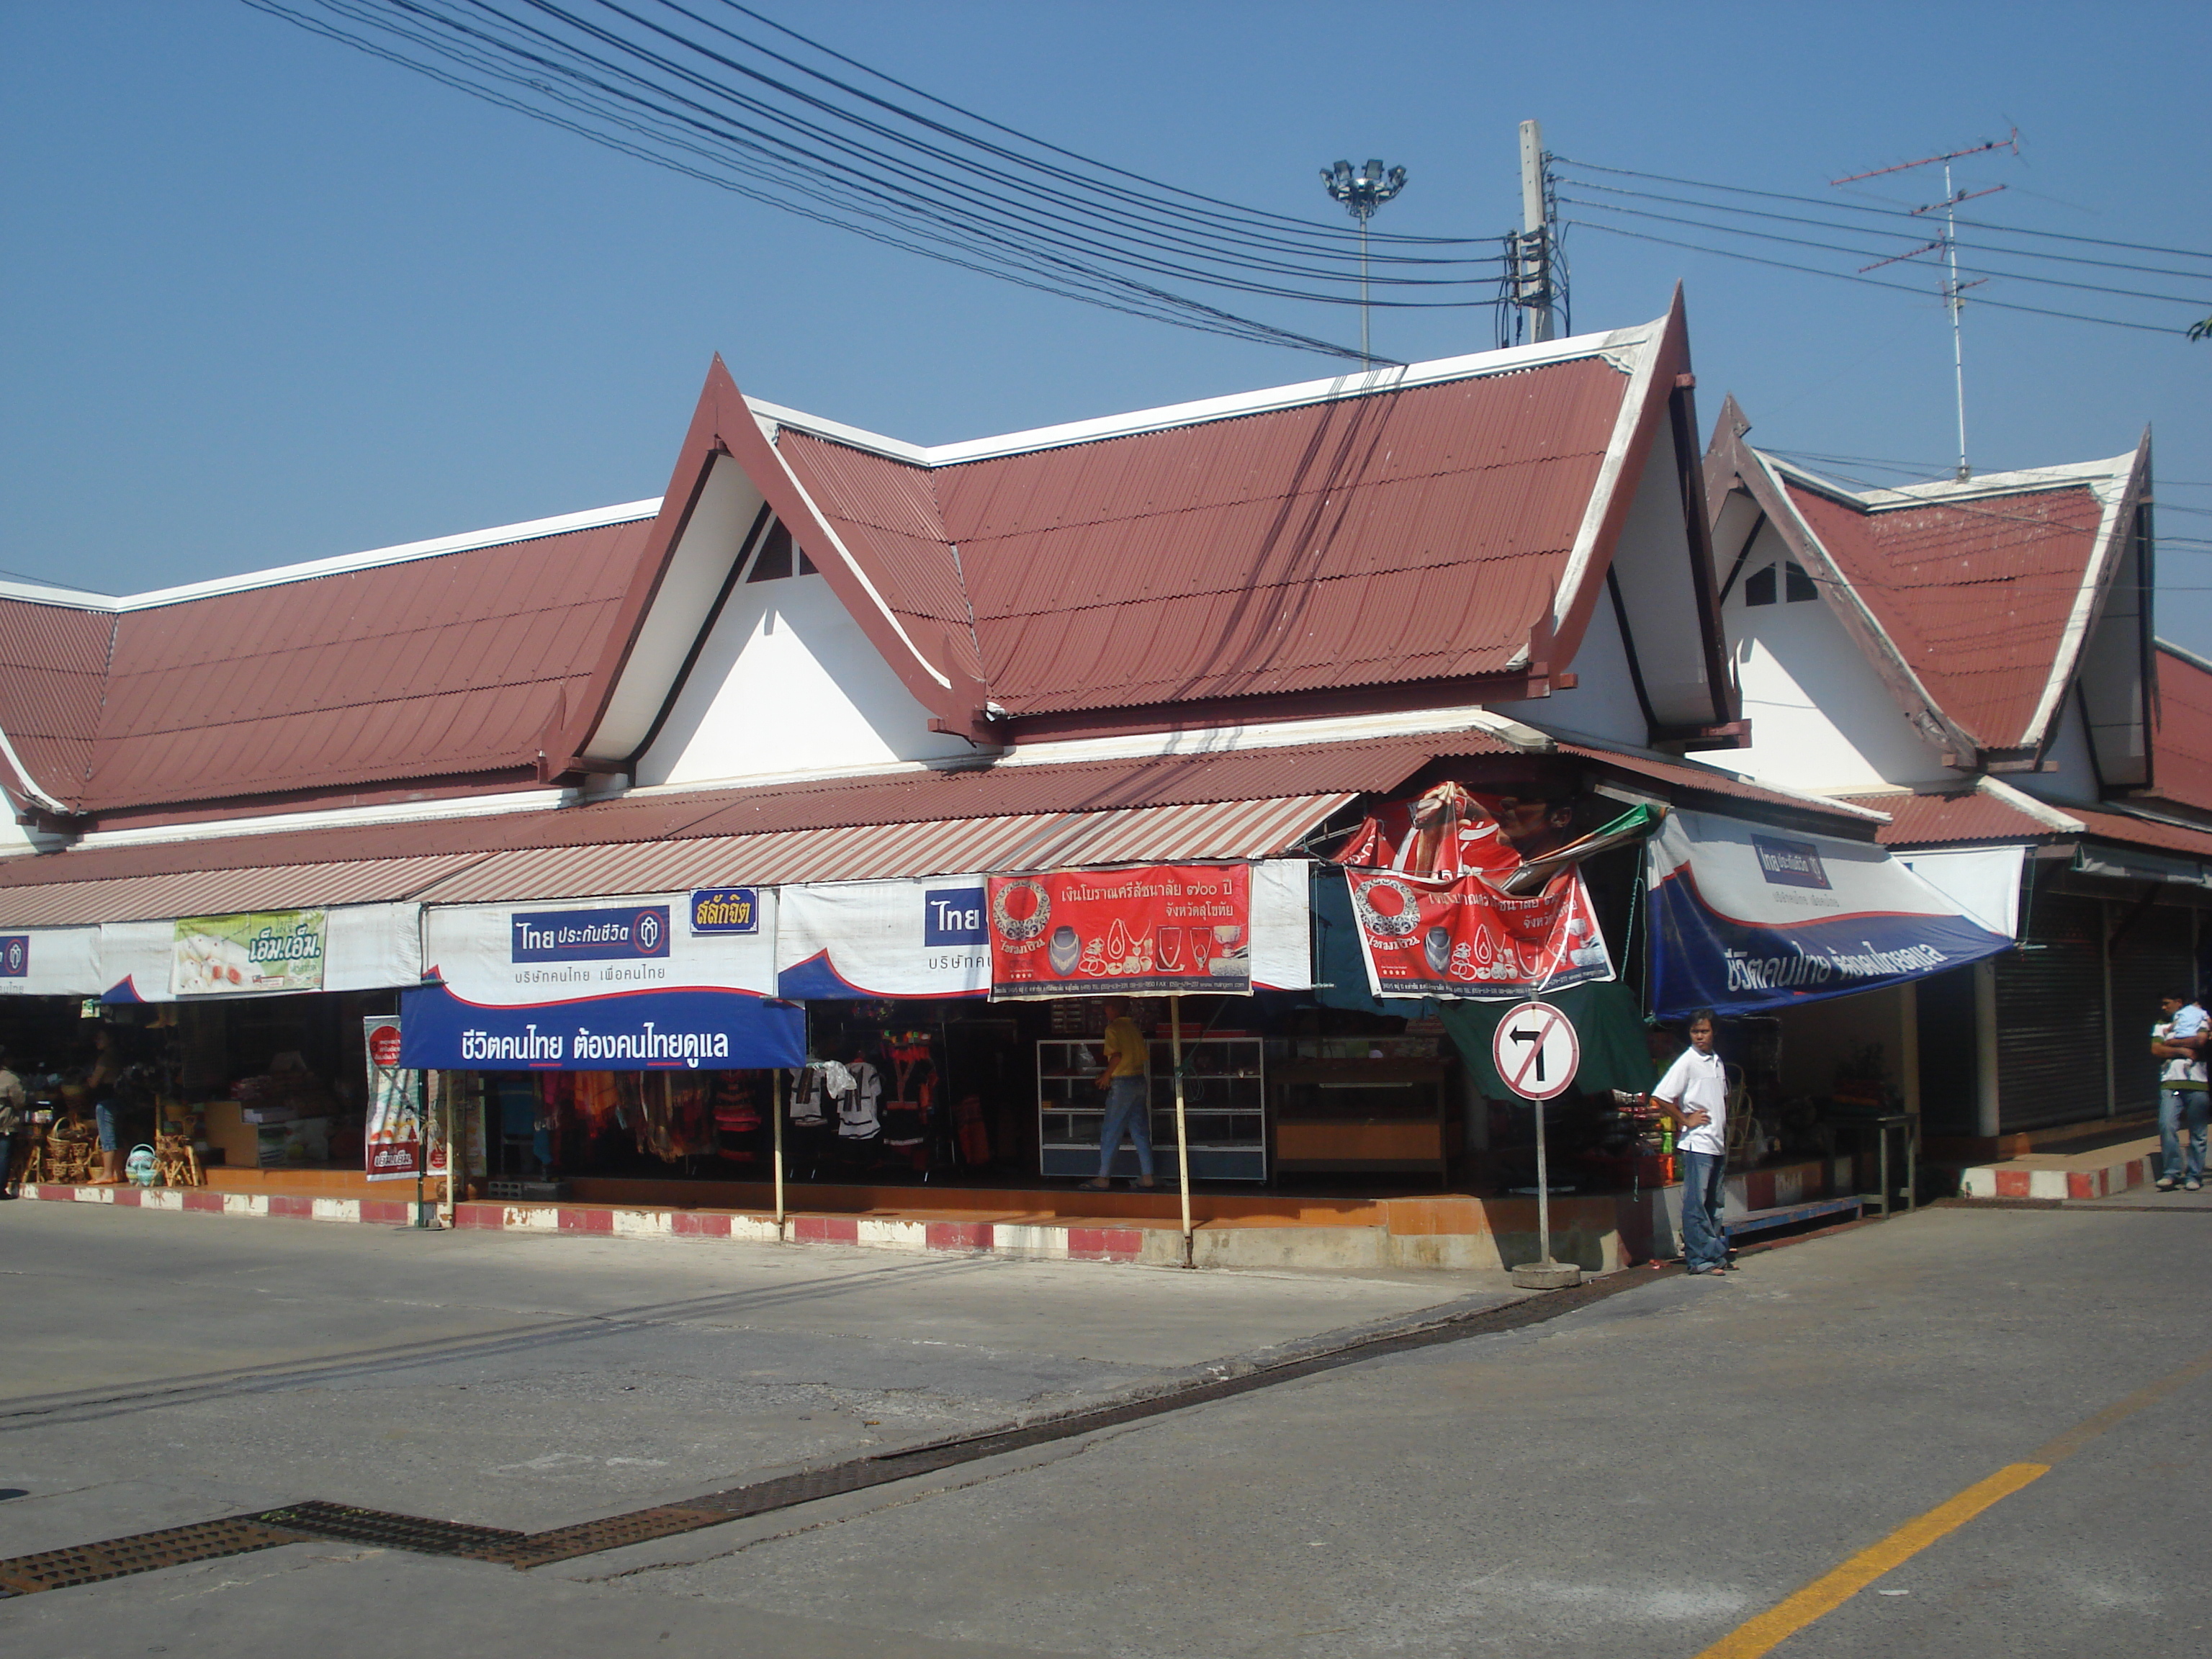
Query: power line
{"points": [[1832, 247], [1901, 213], [1870, 282]]}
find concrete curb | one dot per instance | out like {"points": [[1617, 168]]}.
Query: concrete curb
{"points": [[1154, 1245], [2007, 1181]]}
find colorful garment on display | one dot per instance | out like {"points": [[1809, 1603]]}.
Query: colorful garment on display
{"points": [[971, 1132], [859, 1108]]}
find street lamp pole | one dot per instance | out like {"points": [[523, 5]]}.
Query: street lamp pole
{"points": [[1361, 193]]}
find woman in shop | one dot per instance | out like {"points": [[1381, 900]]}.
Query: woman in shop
{"points": [[104, 1084]]}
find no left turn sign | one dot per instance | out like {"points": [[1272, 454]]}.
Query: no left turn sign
{"points": [[1536, 1051]]}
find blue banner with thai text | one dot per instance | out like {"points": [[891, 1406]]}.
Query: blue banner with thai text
{"points": [[1747, 921], [633, 1031]]}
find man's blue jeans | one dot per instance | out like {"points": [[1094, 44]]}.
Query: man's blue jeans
{"points": [[1128, 1110], [1704, 1239], [2175, 1107]]}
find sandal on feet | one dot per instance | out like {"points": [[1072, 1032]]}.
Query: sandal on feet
{"points": [[1146, 1182], [1099, 1186]]}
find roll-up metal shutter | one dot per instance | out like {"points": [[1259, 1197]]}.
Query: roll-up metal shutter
{"points": [[2050, 1017], [2150, 958]]}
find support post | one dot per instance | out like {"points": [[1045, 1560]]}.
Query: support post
{"points": [[775, 1105], [1986, 1116], [1182, 1140], [1535, 233]]}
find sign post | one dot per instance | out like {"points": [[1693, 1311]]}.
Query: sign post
{"points": [[1182, 1140], [1537, 1053]]}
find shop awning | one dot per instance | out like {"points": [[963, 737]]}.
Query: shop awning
{"points": [[1239, 829], [1745, 919], [226, 892]]}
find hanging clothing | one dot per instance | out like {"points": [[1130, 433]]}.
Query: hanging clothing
{"points": [[810, 1097], [859, 1109]]}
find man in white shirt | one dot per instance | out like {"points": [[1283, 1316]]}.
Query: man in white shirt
{"points": [[2178, 1041], [1694, 1094]]}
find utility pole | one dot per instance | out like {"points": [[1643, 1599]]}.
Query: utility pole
{"points": [[1361, 193], [1946, 250], [1536, 261]]}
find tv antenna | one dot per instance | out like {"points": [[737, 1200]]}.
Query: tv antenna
{"points": [[1362, 192], [1945, 247]]}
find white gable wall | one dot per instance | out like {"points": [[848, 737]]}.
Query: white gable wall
{"points": [[2069, 773], [1652, 565], [1820, 717], [1603, 703], [788, 683]]}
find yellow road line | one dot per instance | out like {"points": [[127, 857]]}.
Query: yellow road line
{"points": [[1825, 1594], [1769, 1630]]}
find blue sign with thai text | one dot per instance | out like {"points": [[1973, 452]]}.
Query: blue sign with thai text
{"points": [[725, 910], [952, 915], [589, 935], [634, 1031]]}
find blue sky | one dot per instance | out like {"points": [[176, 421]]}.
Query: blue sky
{"points": [[270, 300]]}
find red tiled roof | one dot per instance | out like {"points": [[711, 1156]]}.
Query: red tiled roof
{"points": [[2181, 732], [428, 668], [53, 662], [1976, 594], [2141, 832], [1402, 536], [1933, 820], [1034, 794]]}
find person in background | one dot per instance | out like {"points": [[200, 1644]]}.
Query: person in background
{"points": [[1128, 1085], [1695, 1095], [13, 1101], [2179, 1040], [103, 1083]]}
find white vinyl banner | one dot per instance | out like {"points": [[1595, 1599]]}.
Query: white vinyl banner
{"points": [[1983, 881], [50, 961], [930, 937], [521, 956], [367, 947]]}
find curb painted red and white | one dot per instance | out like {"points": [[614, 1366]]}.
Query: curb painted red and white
{"points": [[2002, 1181], [1046, 1241]]}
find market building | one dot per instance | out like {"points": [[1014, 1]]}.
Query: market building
{"points": [[670, 845], [1979, 660]]}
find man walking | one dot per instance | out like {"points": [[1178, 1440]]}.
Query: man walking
{"points": [[1128, 1085], [1694, 1094], [2179, 1040]]}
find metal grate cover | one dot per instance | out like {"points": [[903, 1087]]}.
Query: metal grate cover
{"points": [[145, 1552], [389, 1531]]}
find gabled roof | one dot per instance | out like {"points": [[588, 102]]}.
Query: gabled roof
{"points": [[1428, 524], [423, 666], [1974, 600], [2181, 729]]}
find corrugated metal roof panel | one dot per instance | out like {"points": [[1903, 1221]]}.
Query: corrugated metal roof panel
{"points": [[2181, 733], [1935, 820], [53, 661], [1711, 780], [1243, 829], [1976, 595], [225, 892], [1408, 535], [428, 668], [2140, 832]]}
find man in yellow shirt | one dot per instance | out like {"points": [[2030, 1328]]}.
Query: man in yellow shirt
{"points": [[1128, 1082]]}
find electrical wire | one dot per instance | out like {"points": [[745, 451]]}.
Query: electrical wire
{"points": [[638, 78], [1872, 282], [1903, 213]]}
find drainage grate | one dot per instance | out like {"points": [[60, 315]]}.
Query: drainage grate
{"points": [[145, 1552], [390, 1531], [597, 1537], [89, 1565]]}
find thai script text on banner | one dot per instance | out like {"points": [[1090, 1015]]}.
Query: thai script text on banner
{"points": [[1466, 938], [1105, 932], [1746, 919], [263, 950]]}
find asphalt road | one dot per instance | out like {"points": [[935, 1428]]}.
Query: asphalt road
{"points": [[1641, 1477]]}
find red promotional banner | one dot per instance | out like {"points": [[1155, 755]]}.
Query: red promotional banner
{"points": [[1466, 938], [1107, 932]]}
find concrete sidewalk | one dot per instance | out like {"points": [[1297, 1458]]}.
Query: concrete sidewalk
{"points": [[2099, 1173]]}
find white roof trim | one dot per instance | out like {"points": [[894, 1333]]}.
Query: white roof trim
{"points": [[2027, 805], [530, 530], [2185, 653], [343, 817], [2106, 477], [2096, 575], [1615, 346], [1609, 481]]}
